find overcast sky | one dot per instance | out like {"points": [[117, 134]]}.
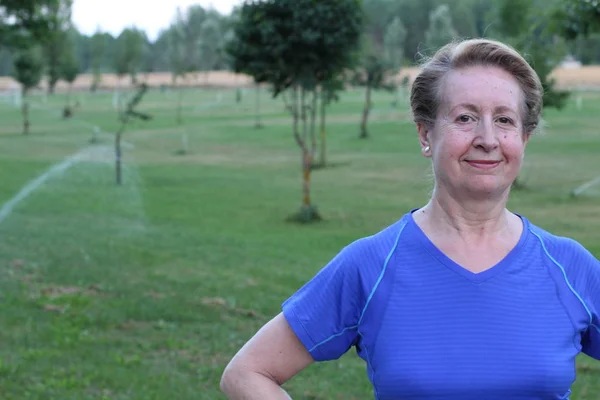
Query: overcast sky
{"points": [[149, 15]]}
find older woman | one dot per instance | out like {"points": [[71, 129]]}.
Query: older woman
{"points": [[461, 298]]}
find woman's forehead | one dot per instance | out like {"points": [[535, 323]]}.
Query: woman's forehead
{"points": [[481, 87]]}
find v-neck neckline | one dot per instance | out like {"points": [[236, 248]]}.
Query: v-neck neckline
{"points": [[475, 277]]}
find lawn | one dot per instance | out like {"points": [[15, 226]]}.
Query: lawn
{"points": [[145, 291]]}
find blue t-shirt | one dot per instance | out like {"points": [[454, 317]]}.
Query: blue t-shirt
{"points": [[429, 329]]}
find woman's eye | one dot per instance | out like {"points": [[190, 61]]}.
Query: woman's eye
{"points": [[464, 118], [505, 120]]}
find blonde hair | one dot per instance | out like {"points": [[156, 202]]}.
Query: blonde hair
{"points": [[425, 91]]}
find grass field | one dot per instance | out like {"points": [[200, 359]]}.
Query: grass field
{"points": [[145, 291]]}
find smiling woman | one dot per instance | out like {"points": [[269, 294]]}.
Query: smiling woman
{"points": [[458, 299]]}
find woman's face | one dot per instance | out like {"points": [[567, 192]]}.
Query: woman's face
{"points": [[477, 143]]}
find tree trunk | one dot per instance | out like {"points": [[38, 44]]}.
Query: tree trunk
{"points": [[25, 111], [313, 119], [323, 132], [303, 115], [363, 125], [118, 158], [306, 169]]}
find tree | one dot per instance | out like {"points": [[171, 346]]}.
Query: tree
{"points": [[415, 17], [296, 45], [129, 53], [440, 30], [330, 89], [56, 41], [395, 36], [211, 40], [177, 57], [128, 57], [28, 67], [573, 18], [177, 61], [373, 74], [125, 117], [69, 69], [24, 22], [393, 42], [194, 18], [378, 14], [519, 24], [98, 48]]}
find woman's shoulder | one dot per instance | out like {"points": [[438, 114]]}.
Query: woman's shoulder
{"points": [[566, 252], [363, 259], [378, 245]]}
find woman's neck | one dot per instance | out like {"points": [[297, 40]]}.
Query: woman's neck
{"points": [[467, 219]]}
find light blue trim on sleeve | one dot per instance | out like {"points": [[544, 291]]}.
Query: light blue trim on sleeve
{"points": [[387, 259], [332, 337], [385, 264], [566, 278]]}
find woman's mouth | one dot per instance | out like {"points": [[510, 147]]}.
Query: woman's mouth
{"points": [[483, 164]]}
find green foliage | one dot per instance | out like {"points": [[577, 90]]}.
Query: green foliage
{"points": [[544, 54], [298, 45], [415, 17], [523, 26], [57, 42], [378, 16], [295, 42], [176, 46], [29, 67], [98, 47], [210, 43], [374, 75], [332, 87], [440, 30], [25, 23], [69, 68], [573, 18], [464, 20], [129, 52], [587, 48], [395, 36]]}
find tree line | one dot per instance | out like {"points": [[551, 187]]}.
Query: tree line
{"points": [[194, 41]]}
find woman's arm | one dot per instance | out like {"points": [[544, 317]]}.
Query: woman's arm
{"points": [[269, 359]]}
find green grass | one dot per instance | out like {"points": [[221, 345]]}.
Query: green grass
{"points": [[145, 291]]}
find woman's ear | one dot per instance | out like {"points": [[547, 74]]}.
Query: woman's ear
{"points": [[424, 139]]}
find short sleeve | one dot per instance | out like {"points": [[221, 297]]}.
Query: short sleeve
{"points": [[324, 313], [591, 297]]}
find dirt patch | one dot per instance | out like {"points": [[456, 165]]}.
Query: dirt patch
{"points": [[584, 77], [220, 303]]}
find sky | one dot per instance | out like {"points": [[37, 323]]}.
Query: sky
{"points": [[149, 15]]}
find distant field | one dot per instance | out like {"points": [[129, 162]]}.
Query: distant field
{"points": [[146, 291], [577, 78]]}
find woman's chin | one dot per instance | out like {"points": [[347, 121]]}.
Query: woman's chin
{"points": [[487, 186]]}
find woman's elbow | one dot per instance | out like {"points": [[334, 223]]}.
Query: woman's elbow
{"points": [[236, 379], [228, 379], [239, 383]]}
